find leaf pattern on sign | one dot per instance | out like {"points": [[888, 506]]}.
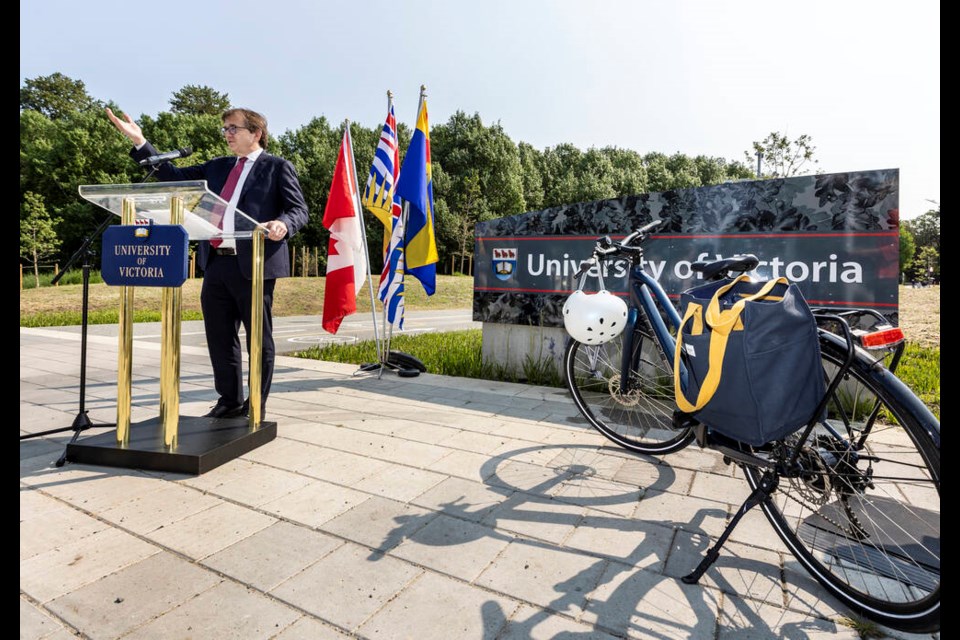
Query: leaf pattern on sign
{"points": [[854, 201]]}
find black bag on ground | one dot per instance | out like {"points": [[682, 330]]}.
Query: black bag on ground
{"points": [[748, 359]]}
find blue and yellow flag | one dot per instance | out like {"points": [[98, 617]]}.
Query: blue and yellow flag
{"points": [[415, 188]]}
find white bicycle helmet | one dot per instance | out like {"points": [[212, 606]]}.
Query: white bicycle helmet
{"points": [[594, 318]]}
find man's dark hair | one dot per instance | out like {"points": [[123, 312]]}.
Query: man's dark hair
{"points": [[253, 121]]}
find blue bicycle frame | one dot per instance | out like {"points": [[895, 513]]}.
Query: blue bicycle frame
{"points": [[641, 284]]}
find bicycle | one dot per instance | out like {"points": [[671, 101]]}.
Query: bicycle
{"points": [[854, 495]]}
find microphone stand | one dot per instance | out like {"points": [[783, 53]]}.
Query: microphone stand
{"points": [[82, 421]]}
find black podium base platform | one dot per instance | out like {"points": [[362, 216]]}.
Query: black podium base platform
{"points": [[202, 444]]}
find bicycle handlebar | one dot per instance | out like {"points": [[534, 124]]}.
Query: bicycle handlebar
{"points": [[606, 246]]}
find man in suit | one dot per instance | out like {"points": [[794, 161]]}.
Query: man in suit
{"points": [[265, 188]]}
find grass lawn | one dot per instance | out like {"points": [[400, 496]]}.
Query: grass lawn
{"points": [[52, 306]]}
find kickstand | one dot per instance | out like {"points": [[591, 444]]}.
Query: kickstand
{"points": [[768, 484]]}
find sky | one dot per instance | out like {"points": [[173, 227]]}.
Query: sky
{"points": [[862, 79]]}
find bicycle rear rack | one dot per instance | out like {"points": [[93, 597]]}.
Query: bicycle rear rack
{"points": [[880, 337]]}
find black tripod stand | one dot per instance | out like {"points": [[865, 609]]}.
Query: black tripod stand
{"points": [[82, 421]]}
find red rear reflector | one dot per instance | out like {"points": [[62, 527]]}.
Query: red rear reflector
{"points": [[884, 338]]}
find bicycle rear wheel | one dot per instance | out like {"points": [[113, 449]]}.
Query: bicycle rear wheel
{"points": [[863, 512], [637, 415]]}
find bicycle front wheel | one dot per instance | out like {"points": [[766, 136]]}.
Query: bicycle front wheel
{"points": [[861, 511], [636, 413]]}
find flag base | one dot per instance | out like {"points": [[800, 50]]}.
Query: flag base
{"points": [[406, 361], [403, 364]]}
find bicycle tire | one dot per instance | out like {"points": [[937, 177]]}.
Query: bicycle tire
{"points": [[868, 530], [640, 420]]}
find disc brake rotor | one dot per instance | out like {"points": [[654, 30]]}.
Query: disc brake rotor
{"points": [[629, 399]]}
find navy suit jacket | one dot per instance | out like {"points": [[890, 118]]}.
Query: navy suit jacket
{"points": [[270, 192]]}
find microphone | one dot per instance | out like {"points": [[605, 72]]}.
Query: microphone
{"points": [[164, 157]]}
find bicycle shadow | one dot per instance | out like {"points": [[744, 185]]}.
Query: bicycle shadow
{"points": [[624, 590]]}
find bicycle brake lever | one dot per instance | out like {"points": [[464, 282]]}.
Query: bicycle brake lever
{"points": [[585, 266]]}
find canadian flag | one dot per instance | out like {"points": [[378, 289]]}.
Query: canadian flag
{"points": [[346, 260]]}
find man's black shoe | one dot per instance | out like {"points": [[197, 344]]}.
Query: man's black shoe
{"points": [[224, 411], [246, 409]]}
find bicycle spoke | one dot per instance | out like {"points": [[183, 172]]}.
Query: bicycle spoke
{"points": [[635, 412]]}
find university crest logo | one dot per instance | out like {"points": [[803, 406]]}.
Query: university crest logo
{"points": [[504, 263]]}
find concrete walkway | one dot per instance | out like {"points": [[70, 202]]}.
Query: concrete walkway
{"points": [[429, 507]]}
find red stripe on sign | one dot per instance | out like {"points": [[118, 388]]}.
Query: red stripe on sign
{"points": [[664, 236], [676, 296]]}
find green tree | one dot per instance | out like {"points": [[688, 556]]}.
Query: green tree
{"points": [[593, 177], [908, 247], [782, 157], [684, 173], [558, 169], [926, 265], [82, 147], [199, 100], [38, 236], [201, 132], [629, 173], [471, 211], [925, 230], [58, 155], [54, 96], [483, 178], [658, 175], [530, 178], [718, 170], [313, 151]]}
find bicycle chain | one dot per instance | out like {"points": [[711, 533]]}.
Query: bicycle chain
{"points": [[818, 498]]}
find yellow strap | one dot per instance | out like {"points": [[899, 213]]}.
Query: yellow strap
{"points": [[693, 311], [697, 327], [722, 323]]}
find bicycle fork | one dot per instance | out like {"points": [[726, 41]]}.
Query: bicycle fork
{"points": [[766, 487]]}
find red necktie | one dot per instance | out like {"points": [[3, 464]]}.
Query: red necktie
{"points": [[227, 192]]}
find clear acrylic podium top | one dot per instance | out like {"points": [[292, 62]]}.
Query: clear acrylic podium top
{"points": [[203, 211]]}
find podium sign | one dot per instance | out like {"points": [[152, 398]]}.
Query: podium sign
{"points": [[153, 255]]}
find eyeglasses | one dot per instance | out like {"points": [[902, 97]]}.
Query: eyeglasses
{"points": [[232, 129]]}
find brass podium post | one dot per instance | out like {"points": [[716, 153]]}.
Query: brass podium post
{"points": [[256, 330], [171, 304], [125, 345]]}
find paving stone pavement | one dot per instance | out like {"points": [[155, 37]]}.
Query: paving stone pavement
{"points": [[428, 507]]}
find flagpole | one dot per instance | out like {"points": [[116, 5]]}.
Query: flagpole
{"points": [[388, 333], [358, 201], [388, 330], [405, 215], [385, 357]]}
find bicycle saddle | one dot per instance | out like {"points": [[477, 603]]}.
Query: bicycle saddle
{"points": [[719, 268]]}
